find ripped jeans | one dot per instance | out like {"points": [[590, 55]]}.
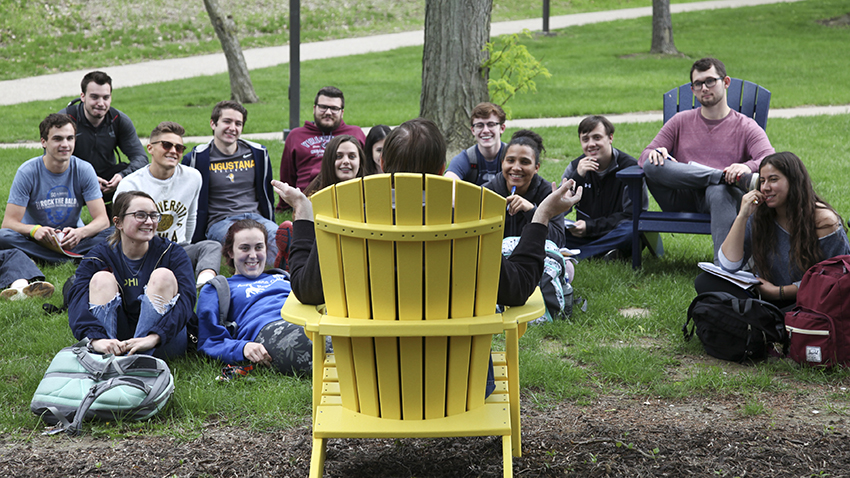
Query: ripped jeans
{"points": [[149, 315]]}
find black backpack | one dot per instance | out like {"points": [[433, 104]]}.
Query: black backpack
{"points": [[735, 329]]}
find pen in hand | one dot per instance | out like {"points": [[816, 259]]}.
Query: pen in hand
{"points": [[662, 155], [513, 190]]}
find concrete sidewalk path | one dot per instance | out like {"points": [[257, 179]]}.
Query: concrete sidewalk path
{"points": [[66, 85], [644, 117]]}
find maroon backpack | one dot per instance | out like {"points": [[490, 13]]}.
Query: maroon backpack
{"points": [[819, 326]]}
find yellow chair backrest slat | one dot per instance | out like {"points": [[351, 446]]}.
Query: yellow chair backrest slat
{"points": [[410, 247]]}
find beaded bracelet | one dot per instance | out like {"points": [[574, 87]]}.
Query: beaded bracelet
{"points": [[781, 292]]}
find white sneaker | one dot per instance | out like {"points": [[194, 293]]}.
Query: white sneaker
{"points": [[39, 289], [13, 294]]}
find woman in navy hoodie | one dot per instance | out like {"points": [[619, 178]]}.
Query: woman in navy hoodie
{"points": [[134, 293]]}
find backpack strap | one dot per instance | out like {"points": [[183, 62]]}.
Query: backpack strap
{"points": [[222, 288], [112, 118], [472, 156], [97, 390]]}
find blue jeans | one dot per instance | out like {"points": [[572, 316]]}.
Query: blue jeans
{"points": [[10, 239], [618, 238], [217, 231], [15, 265], [107, 315]]}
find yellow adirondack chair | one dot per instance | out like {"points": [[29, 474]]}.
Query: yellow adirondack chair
{"points": [[410, 272]]}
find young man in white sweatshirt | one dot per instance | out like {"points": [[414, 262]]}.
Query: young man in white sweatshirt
{"points": [[175, 188]]}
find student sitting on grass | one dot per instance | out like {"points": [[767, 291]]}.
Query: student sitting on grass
{"points": [[20, 277], [47, 195], [524, 189], [134, 293], [786, 229], [252, 328], [343, 160]]}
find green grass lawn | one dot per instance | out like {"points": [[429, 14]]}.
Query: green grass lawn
{"points": [[595, 352], [597, 69]]}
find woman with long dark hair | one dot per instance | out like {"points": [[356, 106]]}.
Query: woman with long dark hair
{"points": [[343, 160], [785, 227], [374, 147]]}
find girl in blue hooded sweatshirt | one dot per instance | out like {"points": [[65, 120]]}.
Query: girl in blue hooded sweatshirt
{"points": [[252, 330]]}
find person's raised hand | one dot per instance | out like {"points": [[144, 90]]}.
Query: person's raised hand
{"points": [[587, 164], [563, 198], [750, 202], [301, 206]]}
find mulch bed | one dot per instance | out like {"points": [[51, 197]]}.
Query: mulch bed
{"points": [[611, 437]]}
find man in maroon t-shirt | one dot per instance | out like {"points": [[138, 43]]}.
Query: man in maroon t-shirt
{"points": [[705, 159], [305, 146]]}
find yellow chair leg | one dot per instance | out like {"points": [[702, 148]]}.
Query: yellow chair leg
{"points": [[512, 357], [317, 460], [507, 457]]}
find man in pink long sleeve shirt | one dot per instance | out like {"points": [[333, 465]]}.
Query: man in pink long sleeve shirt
{"points": [[703, 160]]}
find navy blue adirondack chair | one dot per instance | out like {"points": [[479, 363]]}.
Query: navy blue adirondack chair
{"points": [[743, 96]]}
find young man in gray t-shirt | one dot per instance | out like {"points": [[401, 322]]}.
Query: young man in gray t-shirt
{"points": [[236, 178], [46, 198]]}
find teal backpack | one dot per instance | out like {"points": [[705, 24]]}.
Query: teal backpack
{"points": [[81, 385]]}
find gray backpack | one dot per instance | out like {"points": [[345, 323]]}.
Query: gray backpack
{"points": [[81, 385]]}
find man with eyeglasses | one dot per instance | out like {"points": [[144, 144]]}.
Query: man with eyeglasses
{"points": [[175, 189], [481, 162], [705, 159], [101, 131], [236, 177], [305, 145], [42, 216]]}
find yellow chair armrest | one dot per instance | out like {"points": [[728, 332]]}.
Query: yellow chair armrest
{"points": [[308, 316], [533, 308]]}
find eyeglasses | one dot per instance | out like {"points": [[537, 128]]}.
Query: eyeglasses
{"points": [[167, 145], [142, 216], [489, 125], [709, 83], [323, 108]]}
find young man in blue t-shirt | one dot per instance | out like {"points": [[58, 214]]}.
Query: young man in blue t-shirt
{"points": [[482, 162], [47, 196]]}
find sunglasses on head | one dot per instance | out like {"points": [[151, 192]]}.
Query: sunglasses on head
{"points": [[167, 145]]}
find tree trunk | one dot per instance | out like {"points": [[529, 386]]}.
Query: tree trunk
{"points": [[452, 81], [241, 88], [662, 29]]}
